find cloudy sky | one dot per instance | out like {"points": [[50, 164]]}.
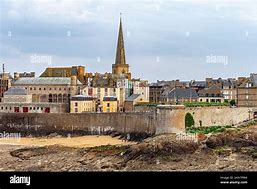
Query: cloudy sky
{"points": [[164, 39]]}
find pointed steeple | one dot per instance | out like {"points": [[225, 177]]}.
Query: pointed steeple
{"points": [[120, 51], [120, 68]]}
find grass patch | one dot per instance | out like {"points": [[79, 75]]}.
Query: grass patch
{"points": [[205, 104], [113, 148], [207, 130]]}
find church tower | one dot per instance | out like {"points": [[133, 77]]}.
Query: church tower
{"points": [[120, 67]]}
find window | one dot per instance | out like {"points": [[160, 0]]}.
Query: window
{"points": [[76, 104], [35, 88], [76, 110], [30, 88], [44, 89], [16, 109], [47, 110], [25, 109], [108, 104], [40, 89]]}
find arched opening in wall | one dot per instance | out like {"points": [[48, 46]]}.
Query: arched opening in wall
{"points": [[59, 98], [64, 98], [50, 98], [54, 97], [43, 98]]}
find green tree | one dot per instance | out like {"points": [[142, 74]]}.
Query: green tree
{"points": [[232, 102], [189, 120]]}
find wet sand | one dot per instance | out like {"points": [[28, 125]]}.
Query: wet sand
{"points": [[79, 142]]}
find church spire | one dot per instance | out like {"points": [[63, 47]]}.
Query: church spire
{"points": [[120, 67], [120, 51]]}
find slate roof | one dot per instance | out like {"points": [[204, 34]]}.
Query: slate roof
{"points": [[16, 91], [45, 81], [183, 93], [132, 97], [110, 98], [81, 98]]}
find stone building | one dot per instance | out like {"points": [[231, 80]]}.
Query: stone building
{"points": [[50, 89], [141, 87], [211, 94], [81, 103], [17, 95], [229, 89], [197, 85], [155, 92], [5, 83], [47, 90], [19, 100], [131, 101], [99, 93], [158, 91], [78, 71], [110, 104], [18, 75], [180, 96], [247, 93]]}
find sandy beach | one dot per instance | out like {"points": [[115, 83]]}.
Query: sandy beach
{"points": [[78, 142]]}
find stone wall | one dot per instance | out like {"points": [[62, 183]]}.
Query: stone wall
{"points": [[166, 119], [219, 116], [171, 118], [86, 123]]}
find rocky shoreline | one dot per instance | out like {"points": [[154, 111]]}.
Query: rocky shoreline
{"points": [[232, 150]]}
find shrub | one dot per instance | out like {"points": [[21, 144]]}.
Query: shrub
{"points": [[232, 102], [189, 120]]}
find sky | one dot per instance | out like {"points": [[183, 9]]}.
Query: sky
{"points": [[164, 39]]}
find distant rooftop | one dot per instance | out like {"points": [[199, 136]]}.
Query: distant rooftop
{"points": [[183, 93], [45, 81], [81, 98], [132, 97], [16, 91], [110, 98]]}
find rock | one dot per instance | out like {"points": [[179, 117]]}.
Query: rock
{"points": [[213, 142]]}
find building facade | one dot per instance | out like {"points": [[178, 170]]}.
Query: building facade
{"points": [[5, 84], [110, 104], [81, 104], [211, 94]]}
